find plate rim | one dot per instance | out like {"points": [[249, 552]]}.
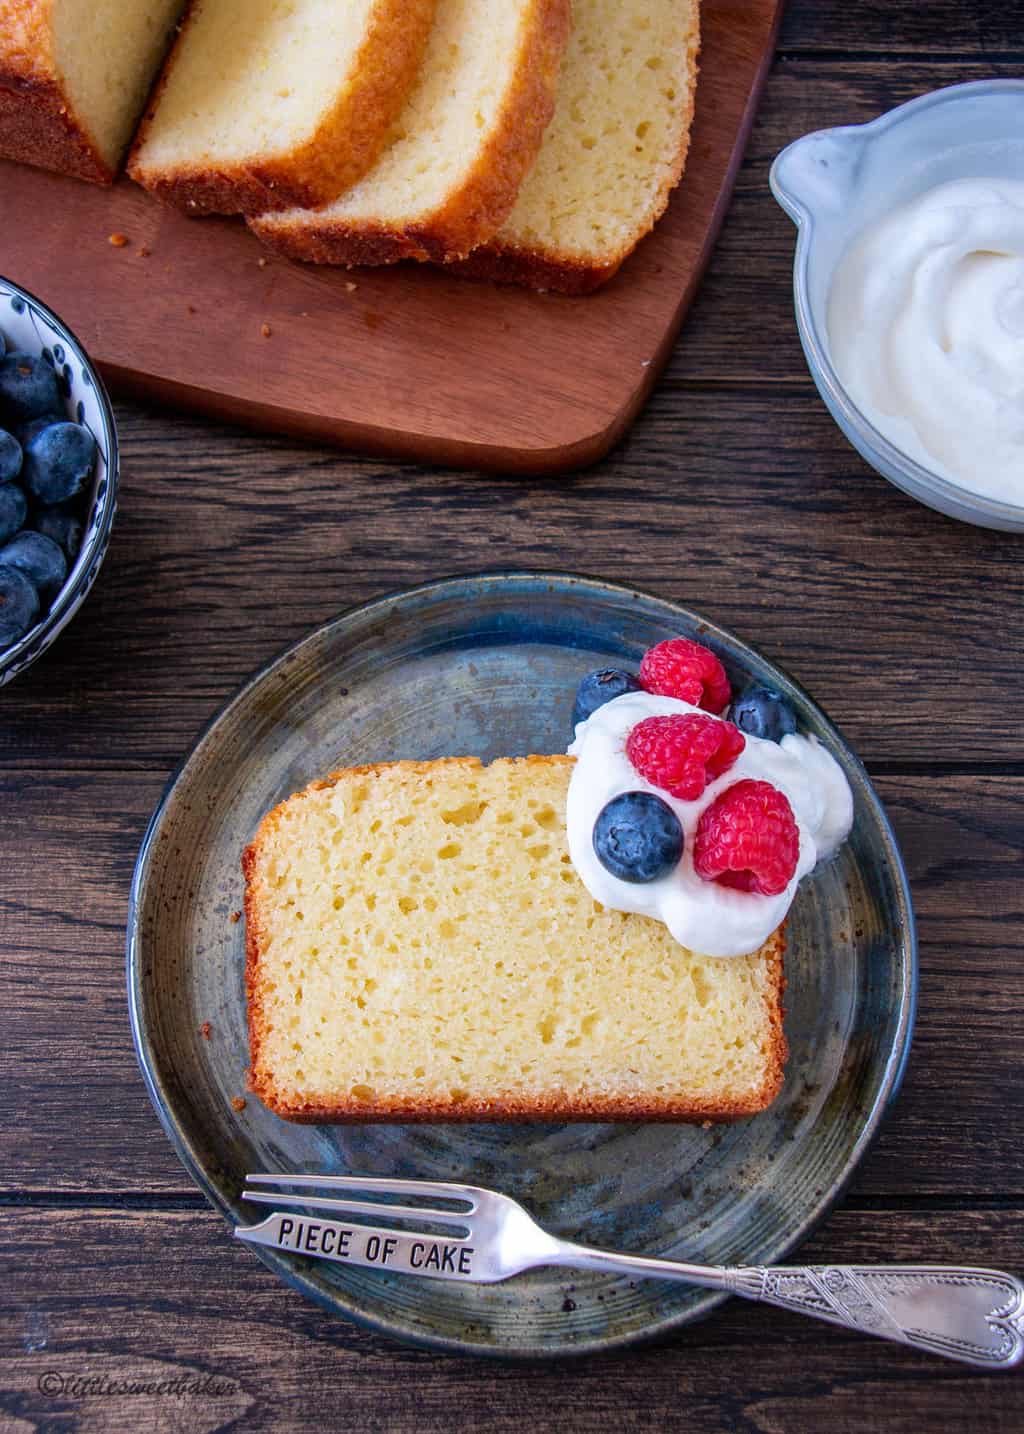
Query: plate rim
{"points": [[295, 1276]]}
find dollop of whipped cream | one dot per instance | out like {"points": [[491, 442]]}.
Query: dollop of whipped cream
{"points": [[704, 916], [926, 330]]}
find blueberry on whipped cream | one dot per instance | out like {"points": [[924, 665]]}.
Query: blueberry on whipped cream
{"points": [[637, 837], [754, 815]]}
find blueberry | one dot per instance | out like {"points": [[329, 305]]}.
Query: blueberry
{"points": [[19, 606], [13, 509], [28, 388], [58, 462], [63, 524], [24, 431], [40, 559], [637, 837], [10, 457], [600, 687], [763, 712]]}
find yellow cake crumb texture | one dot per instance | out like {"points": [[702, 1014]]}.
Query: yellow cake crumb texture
{"points": [[419, 943], [463, 82], [263, 103], [614, 151], [107, 52], [458, 151], [78, 73], [252, 76]]}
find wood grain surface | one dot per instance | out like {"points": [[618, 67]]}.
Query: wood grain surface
{"points": [[735, 494], [408, 361]]}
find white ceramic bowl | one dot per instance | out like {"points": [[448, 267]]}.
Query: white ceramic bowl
{"points": [[29, 326], [836, 182]]}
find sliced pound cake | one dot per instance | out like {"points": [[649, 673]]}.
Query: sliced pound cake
{"points": [[469, 132], [613, 152], [419, 947], [264, 104], [74, 78]]}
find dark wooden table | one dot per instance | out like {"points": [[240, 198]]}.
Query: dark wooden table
{"points": [[736, 495]]}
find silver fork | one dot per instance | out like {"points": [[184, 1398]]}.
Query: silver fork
{"points": [[968, 1314]]}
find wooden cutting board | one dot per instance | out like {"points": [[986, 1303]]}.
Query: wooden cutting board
{"points": [[408, 361]]}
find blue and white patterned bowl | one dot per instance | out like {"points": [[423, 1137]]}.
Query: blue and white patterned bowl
{"points": [[29, 326]]}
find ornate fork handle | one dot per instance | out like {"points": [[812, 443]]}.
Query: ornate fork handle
{"points": [[963, 1313]]}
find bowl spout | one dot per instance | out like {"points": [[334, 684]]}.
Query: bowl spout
{"points": [[817, 174]]}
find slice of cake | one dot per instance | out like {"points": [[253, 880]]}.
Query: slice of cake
{"points": [[74, 78], [612, 154], [263, 105], [419, 947], [468, 134]]}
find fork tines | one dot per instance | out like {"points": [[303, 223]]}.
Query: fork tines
{"points": [[463, 1195]]}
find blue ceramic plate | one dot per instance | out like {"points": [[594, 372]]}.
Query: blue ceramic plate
{"points": [[487, 666]]}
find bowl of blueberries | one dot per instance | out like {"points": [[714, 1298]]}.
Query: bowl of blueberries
{"points": [[58, 477]]}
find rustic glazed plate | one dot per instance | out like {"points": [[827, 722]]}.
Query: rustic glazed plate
{"points": [[487, 666]]}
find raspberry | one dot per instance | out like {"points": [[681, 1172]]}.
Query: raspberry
{"points": [[683, 753], [748, 839], [684, 669]]}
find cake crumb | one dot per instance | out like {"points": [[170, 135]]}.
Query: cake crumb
{"points": [[262, 263], [144, 252], [265, 330], [118, 240], [206, 1030], [237, 1102], [236, 917], [351, 287]]}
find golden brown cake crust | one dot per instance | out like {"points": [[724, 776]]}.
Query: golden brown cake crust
{"points": [[564, 273], [481, 205], [345, 145], [37, 123], [556, 1105], [508, 264]]}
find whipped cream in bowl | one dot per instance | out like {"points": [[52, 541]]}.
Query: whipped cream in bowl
{"points": [[909, 291], [926, 327], [704, 916]]}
